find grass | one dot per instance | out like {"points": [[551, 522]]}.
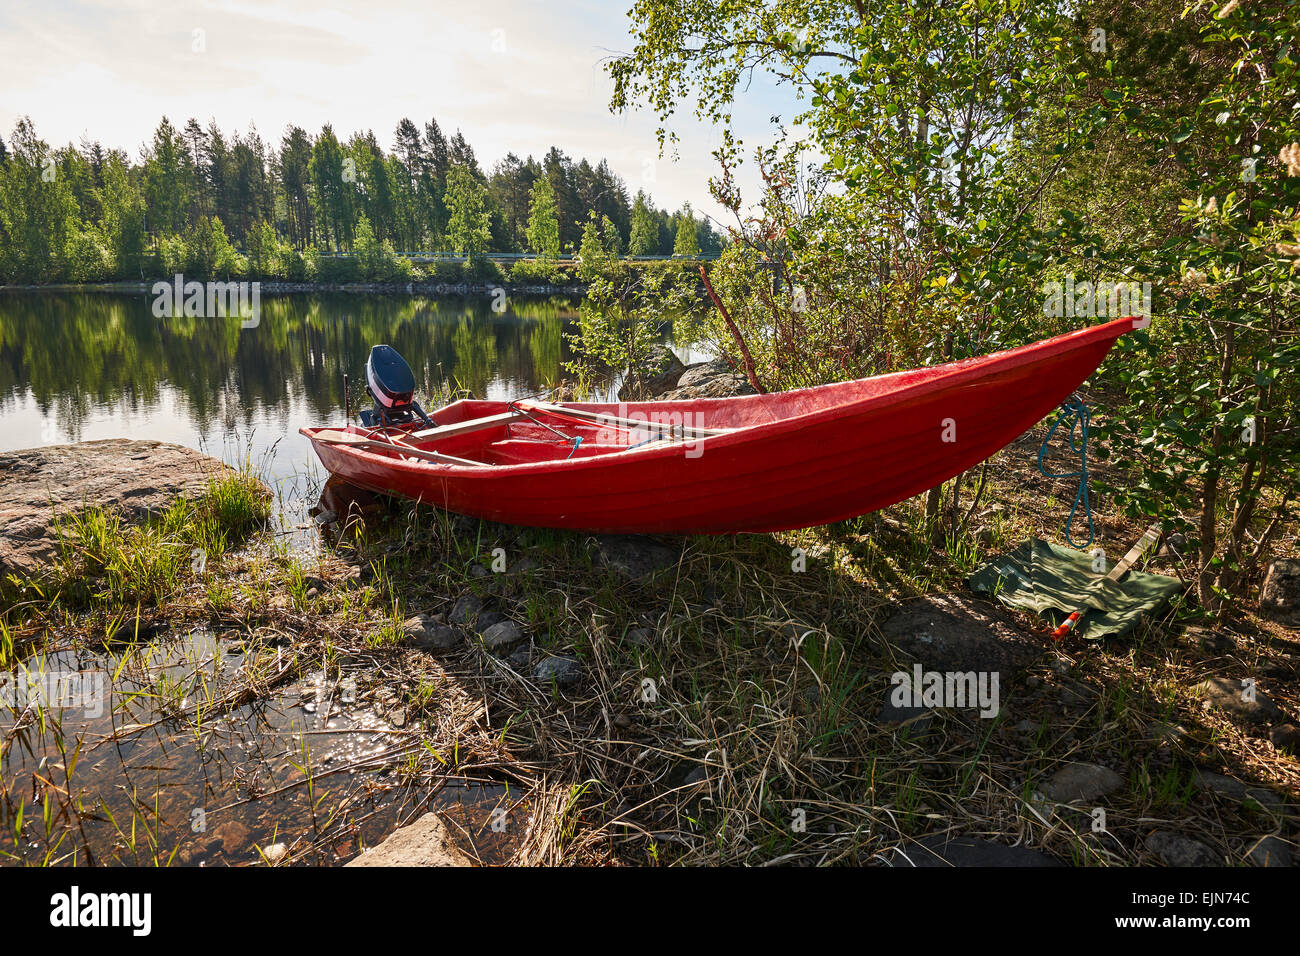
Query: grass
{"points": [[728, 710], [756, 700], [105, 562]]}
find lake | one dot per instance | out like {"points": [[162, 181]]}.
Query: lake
{"points": [[77, 366]]}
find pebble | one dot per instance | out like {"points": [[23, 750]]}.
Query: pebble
{"points": [[1286, 737], [559, 670], [466, 609], [1270, 851], [1226, 694], [1081, 781], [639, 636], [426, 633], [275, 853], [503, 634], [1175, 849]]}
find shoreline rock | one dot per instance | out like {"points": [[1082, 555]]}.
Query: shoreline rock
{"points": [[426, 842], [135, 478], [662, 377]]}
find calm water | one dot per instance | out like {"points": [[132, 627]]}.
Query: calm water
{"points": [[78, 366]]}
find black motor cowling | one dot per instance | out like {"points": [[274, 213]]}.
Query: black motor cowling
{"points": [[391, 384]]}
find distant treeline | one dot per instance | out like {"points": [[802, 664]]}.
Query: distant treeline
{"points": [[210, 203]]}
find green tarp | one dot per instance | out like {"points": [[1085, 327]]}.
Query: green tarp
{"points": [[1052, 581]]}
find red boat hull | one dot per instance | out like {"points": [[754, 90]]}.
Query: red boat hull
{"points": [[793, 459]]}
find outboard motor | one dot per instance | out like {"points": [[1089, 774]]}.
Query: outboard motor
{"points": [[392, 386]]}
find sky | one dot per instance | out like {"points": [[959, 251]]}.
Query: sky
{"points": [[513, 75]]}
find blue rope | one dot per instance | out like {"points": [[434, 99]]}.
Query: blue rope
{"points": [[1074, 411], [576, 442]]}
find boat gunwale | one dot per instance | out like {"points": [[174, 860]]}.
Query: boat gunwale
{"points": [[936, 377]]}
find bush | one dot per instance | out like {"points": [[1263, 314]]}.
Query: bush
{"points": [[481, 270], [445, 272], [337, 268], [376, 260], [86, 259], [536, 271]]}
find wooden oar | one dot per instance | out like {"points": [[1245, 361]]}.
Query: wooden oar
{"points": [[1149, 538], [601, 418], [335, 437]]}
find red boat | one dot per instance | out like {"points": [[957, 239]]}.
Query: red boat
{"points": [[753, 463]]}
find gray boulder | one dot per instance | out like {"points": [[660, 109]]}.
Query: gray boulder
{"points": [[426, 633], [1280, 594], [713, 379], [655, 375], [503, 634], [1230, 695]]}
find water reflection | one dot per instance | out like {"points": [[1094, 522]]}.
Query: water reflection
{"points": [[80, 366]]}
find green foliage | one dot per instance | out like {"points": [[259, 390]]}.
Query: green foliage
{"points": [[482, 270], [37, 210], [536, 272], [208, 253], [975, 151], [376, 260], [686, 243], [644, 240], [469, 222], [544, 221], [279, 201], [624, 314]]}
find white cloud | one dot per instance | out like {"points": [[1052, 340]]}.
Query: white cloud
{"points": [[513, 76]]}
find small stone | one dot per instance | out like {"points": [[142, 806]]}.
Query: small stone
{"points": [[466, 610], [1229, 694], [520, 657], [438, 637], [1212, 641], [233, 836], [559, 670], [503, 634], [915, 718], [478, 571], [1081, 781], [312, 593], [1235, 789], [414, 627], [1270, 851], [1286, 737], [639, 636], [275, 853], [1175, 849], [1280, 594]]}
